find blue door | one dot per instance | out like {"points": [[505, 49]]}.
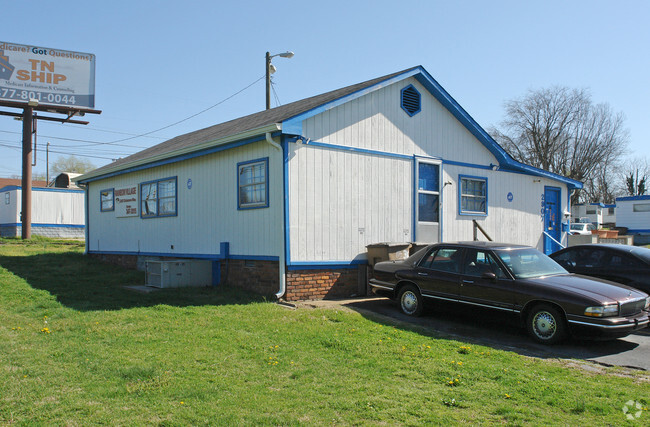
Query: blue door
{"points": [[552, 220]]}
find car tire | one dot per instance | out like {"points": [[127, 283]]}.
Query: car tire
{"points": [[410, 301], [545, 324]]}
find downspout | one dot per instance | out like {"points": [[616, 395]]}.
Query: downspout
{"points": [[281, 263], [86, 188]]}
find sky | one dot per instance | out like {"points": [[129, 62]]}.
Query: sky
{"points": [[161, 62]]}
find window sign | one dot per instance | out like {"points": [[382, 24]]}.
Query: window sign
{"points": [[126, 201]]}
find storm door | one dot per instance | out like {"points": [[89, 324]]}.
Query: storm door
{"points": [[427, 201]]}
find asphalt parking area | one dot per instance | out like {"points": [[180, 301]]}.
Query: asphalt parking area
{"points": [[503, 331]]}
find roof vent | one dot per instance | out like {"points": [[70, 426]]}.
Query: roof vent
{"points": [[411, 102]]}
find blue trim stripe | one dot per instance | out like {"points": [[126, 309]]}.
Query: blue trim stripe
{"points": [[352, 149], [632, 198], [180, 158], [18, 224], [186, 255]]}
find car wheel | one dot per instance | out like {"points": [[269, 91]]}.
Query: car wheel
{"points": [[410, 301], [545, 324]]}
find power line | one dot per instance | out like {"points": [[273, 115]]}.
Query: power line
{"points": [[192, 116]]}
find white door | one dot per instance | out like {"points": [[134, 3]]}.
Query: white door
{"points": [[427, 206]]}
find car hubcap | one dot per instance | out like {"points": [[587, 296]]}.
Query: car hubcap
{"points": [[409, 302], [544, 325]]}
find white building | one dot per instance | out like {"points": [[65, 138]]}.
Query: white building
{"points": [[593, 212], [55, 212], [290, 197], [633, 212]]}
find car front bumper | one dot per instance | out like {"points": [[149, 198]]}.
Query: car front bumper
{"points": [[613, 327]]}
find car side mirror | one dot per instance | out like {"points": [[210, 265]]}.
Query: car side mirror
{"points": [[488, 275]]}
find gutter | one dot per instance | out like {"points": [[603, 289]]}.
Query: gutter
{"points": [[281, 261], [273, 127]]}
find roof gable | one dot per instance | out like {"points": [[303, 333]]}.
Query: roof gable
{"points": [[289, 119]]}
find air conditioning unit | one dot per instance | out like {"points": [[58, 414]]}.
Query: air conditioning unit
{"points": [[178, 273]]}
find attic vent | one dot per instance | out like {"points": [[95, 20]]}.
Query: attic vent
{"points": [[411, 100]]}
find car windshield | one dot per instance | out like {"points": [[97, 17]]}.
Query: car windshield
{"points": [[577, 226], [529, 263]]}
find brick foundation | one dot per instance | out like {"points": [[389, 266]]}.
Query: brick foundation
{"points": [[262, 277], [321, 284]]}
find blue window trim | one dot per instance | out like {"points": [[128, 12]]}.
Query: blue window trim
{"points": [[101, 208], [264, 160], [419, 107], [460, 195], [158, 214]]}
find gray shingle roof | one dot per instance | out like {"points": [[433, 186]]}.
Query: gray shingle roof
{"points": [[237, 126]]}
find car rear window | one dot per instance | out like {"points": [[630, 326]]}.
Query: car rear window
{"points": [[643, 253]]}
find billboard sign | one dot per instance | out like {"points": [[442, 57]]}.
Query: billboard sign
{"points": [[50, 76], [126, 201]]}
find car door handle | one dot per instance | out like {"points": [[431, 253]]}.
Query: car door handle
{"points": [[422, 274], [468, 282]]}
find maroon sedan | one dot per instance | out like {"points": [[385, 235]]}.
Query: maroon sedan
{"points": [[552, 302]]}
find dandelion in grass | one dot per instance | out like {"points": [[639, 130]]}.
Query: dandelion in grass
{"points": [[507, 396]]}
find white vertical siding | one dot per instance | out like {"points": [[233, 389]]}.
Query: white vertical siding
{"points": [[49, 206], [374, 194], [207, 213], [341, 201], [626, 217], [377, 122], [520, 221]]}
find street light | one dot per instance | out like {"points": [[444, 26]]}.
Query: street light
{"points": [[270, 69]]}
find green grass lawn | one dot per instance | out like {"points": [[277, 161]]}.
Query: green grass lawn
{"points": [[76, 348]]}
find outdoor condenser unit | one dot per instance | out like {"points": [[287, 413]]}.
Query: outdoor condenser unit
{"points": [[178, 273]]}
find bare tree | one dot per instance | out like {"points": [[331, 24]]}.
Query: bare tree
{"points": [[72, 164], [560, 130], [635, 177]]}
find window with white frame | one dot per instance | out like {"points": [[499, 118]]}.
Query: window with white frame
{"points": [[107, 201], [7, 198], [428, 192], [158, 198], [473, 195], [252, 184]]}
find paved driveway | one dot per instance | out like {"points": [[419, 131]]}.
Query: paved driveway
{"points": [[502, 332]]}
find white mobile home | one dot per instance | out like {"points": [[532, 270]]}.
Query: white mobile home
{"points": [[290, 197], [633, 212], [55, 212]]}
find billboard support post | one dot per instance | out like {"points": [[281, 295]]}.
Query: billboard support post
{"points": [[26, 214]]}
